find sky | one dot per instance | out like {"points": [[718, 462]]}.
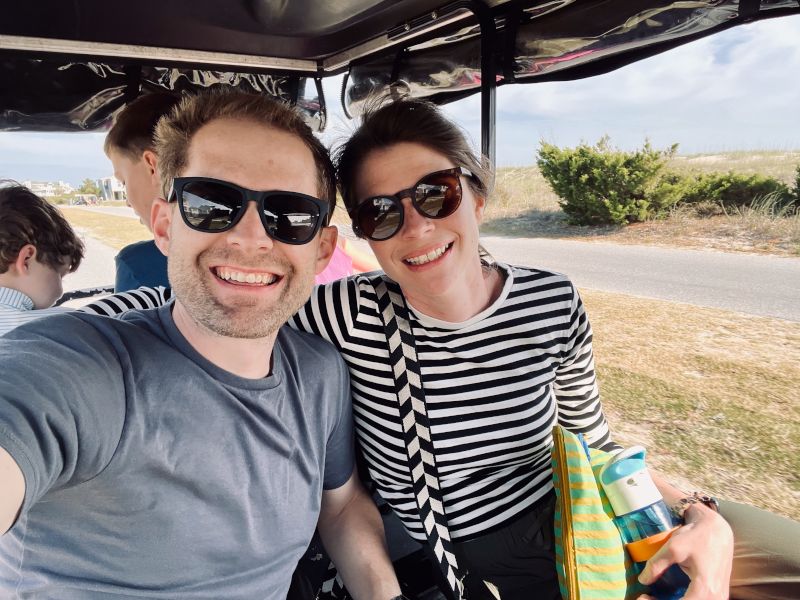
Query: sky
{"points": [[727, 92]]}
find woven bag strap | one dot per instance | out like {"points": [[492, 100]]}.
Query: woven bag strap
{"points": [[416, 429]]}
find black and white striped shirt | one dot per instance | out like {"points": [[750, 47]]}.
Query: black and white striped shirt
{"points": [[138, 299], [494, 385]]}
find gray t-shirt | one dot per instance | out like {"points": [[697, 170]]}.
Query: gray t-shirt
{"points": [[152, 473]]}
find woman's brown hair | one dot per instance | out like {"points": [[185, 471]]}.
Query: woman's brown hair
{"points": [[413, 121]]}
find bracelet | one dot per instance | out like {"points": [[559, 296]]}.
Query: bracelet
{"points": [[400, 597], [679, 508]]}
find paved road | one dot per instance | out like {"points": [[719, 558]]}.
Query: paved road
{"points": [[752, 284], [120, 211], [96, 269]]}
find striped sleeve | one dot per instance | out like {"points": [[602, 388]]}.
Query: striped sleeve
{"points": [[330, 312], [139, 299], [576, 389]]}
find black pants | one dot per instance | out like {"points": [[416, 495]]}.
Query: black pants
{"points": [[516, 562]]}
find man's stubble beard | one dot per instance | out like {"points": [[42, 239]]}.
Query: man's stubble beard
{"points": [[243, 319]]}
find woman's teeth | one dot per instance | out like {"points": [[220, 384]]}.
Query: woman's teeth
{"points": [[260, 278], [426, 258]]}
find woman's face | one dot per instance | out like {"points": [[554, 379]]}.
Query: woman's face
{"points": [[427, 257]]}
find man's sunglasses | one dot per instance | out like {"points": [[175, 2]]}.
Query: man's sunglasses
{"points": [[435, 196], [214, 206]]}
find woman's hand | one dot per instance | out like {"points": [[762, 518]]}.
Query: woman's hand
{"points": [[703, 548]]}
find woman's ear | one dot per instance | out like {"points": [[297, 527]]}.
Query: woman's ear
{"points": [[480, 206], [161, 219]]}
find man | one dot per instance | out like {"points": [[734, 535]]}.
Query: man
{"points": [[37, 249], [130, 147], [186, 452]]}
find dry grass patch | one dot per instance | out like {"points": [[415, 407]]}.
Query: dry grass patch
{"points": [[523, 205], [113, 230], [712, 394]]}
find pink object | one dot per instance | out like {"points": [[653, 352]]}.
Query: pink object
{"points": [[341, 265]]}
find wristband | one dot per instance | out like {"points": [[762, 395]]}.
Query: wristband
{"points": [[679, 508]]}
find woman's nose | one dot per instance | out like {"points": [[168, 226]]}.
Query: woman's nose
{"points": [[414, 223]]}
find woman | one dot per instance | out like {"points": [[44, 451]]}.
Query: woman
{"points": [[494, 344], [505, 353]]}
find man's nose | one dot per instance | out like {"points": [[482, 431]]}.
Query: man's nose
{"points": [[249, 231]]}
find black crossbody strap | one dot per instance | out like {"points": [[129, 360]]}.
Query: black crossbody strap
{"points": [[416, 428]]}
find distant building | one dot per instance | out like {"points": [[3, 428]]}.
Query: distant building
{"points": [[111, 189], [49, 189]]}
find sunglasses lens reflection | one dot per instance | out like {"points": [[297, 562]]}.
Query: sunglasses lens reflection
{"points": [[290, 219], [438, 195], [379, 218], [210, 206]]}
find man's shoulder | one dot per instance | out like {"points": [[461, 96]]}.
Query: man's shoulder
{"points": [[138, 249], [301, 342], [73, 325]]}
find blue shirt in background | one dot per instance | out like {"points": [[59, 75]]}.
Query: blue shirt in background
{"points": [[140, 264]]}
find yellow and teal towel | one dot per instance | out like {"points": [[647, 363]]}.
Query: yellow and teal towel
{"points": [[590, 554]]}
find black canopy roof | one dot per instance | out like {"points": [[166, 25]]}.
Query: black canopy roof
{"points": [[70, 65]]}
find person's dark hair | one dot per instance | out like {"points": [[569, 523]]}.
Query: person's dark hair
{"points": [[134, 127], [413, 121], [25, 218], [174, 133]]}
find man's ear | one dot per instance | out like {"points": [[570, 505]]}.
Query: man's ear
{"points": [[25, 255], [327, 244], [161, 213], [151, 160]]}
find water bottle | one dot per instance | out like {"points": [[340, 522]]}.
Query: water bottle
{"points": [[642, 517]]}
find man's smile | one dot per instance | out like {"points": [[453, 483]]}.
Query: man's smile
{"points": [[234, 276]]}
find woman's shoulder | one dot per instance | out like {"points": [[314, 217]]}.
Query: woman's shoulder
{"points": [[534, 276], [356, 286]]}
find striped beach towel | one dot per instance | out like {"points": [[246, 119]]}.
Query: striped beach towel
{"points": [[590, 554]]}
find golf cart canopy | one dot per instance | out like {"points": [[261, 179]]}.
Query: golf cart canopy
{"points": [[70, 66]]}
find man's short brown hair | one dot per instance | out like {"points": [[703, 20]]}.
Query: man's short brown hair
{"points": [[174, 132], [134, 127], [25, 218]]}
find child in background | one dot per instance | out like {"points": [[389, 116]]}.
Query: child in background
{"points": [[37, 248], [130, 147]]}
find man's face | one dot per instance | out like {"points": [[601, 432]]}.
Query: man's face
{"points": [[140, 179], [241, 283]]}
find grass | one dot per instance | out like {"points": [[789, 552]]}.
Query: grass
{"points": [[524, 205], [712, 394], [112, 230]]}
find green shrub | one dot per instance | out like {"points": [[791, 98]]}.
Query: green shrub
{"points": [[599, 185], [733, 190], [796, 188]]}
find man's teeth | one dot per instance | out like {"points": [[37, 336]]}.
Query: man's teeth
{"points": [[426, 258], [261, 278]]}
